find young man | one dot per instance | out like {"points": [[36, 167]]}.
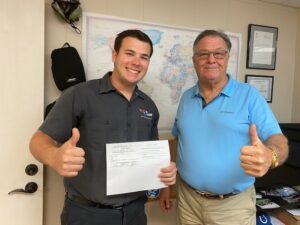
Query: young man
{"points": [[227, 135], [72, 139]]}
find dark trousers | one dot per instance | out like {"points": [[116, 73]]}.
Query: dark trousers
{"points": [[77, 214]]}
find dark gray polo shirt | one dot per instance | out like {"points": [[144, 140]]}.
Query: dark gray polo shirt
{"points": [[102, 115]]}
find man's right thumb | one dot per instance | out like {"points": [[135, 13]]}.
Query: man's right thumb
{"points": [[75, 137], [254, 139]]}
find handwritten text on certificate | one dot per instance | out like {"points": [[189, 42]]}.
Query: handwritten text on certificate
{"points": [[135, 166]]}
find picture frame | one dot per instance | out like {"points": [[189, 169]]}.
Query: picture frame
{"points": [[264, 84], [262, 47]]}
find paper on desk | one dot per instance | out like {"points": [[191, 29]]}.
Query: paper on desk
{"points": [[294, 212], [266, 203], [135, 166]]}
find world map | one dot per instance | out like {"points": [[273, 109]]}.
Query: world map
{"points": [[171, 70]]}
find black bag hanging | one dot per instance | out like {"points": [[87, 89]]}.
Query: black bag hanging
{"points": [[67, 67]]}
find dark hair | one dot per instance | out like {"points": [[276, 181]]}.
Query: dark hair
{"points": [[213, 33], [135, 34]]}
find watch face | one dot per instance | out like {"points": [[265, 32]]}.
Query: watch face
{"points": [[275, 161]]}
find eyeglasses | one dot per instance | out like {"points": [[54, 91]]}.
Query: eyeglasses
{"points": [[204, 55]]}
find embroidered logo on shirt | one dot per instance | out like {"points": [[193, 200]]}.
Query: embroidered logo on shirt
{"points": [[228, 112], [145, 114]]}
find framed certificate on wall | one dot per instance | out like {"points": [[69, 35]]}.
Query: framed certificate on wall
{"points": [[264, 84], [262, 46]]}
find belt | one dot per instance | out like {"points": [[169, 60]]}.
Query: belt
{"points": [[213, 196], [82, 201], [208, 195]]}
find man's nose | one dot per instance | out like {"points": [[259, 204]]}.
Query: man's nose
{"points": [[136, 61], [211, 57]]}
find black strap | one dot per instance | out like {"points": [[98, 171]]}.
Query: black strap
{"points": [[66, 45], [77, 30]]}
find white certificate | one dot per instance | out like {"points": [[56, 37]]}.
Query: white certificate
{"points": [[263, 47], [135, 166]]}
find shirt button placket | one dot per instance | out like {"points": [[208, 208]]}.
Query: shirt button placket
{"points": [[128, 120]]}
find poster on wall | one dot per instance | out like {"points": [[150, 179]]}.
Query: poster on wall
{"points": [[171, 70]]}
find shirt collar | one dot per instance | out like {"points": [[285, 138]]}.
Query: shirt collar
{"points": [[229, 87], [227, 90], [106, 86]]}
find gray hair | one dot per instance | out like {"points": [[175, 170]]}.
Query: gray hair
{"points": [[213, 33]]}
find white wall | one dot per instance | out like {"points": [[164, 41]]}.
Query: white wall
{"points": [[296, 96], [229, 15]]}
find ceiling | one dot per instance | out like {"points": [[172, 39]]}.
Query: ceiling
{"points": [[291, 3]]}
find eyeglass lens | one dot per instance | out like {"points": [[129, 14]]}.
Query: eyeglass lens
{"points": [[221, 54]]}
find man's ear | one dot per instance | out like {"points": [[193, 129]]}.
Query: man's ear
{"points": [[113, 55], [194, 60]]}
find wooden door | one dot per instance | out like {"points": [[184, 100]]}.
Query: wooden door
{"points": [[21, 109]]}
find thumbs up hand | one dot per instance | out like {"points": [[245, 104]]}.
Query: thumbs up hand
{"points": [[69, 159], [256, 159]]}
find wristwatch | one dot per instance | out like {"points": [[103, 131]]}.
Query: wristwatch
{"points": [[275, 161]]}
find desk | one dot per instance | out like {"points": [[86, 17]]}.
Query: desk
{"points": [[284, 216]]}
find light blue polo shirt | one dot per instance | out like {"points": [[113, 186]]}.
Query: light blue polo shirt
{"points": [[210, 138]]}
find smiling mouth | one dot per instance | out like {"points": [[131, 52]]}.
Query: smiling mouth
{"points": [[133, 71], [214, 68]]}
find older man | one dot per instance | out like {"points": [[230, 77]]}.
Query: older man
{"points": [[227, 135]]}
